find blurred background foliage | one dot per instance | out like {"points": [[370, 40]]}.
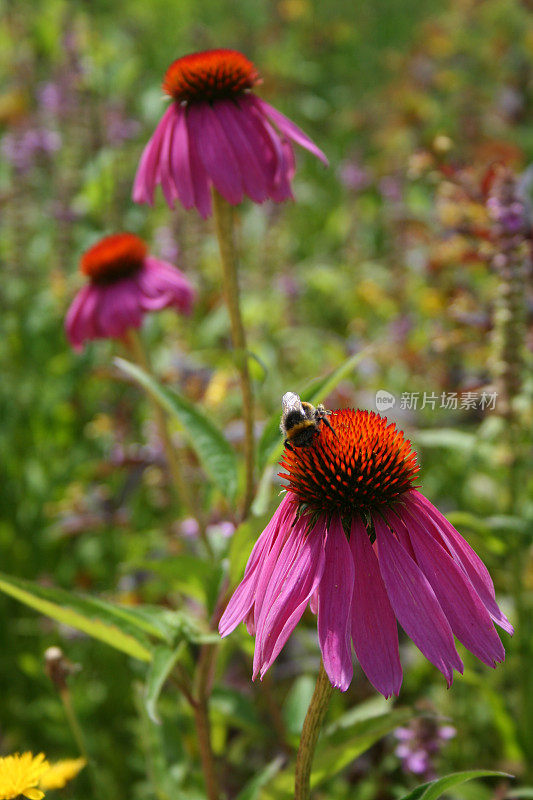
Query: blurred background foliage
{"points": [[412, 103]]}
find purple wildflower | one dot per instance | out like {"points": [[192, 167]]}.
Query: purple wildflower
{"points": [[125, 282], [357, 543], [216, 132]]}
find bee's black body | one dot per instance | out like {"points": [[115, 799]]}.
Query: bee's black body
{"points": [[301, 421]]}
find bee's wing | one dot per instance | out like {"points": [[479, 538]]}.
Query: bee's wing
{"points": [[291, 402]]}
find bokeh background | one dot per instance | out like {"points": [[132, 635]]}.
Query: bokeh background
{"points": [[412, 103]]}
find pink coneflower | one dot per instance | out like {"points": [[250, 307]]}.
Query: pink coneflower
{"points": [[355, 541], [216, 132], [124, 283]]}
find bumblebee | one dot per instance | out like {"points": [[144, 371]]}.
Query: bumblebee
{"points": [[301, 421]]}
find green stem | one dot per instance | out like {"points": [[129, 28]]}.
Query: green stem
{"points": [[310, 731], [228, 254], [73, 723], [203, 683], [79, 738], [139, 355]]}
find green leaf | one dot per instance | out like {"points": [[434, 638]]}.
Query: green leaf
{"points": [[240, 548], [436, 788], [164, 659], [340, 744], [112, 624], [212, 448], [236, 709], [346, 742], [271, 444], [296, 704], [161, 776], [264, 490], [188, 574], [252, 788]]}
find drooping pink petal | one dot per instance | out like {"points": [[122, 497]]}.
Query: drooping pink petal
{"points": [[400, 529], [253, 173], [414, 603], [334, 607], [466, 557], [374, 627], [469, 619], [180, 164], [168, 188], [215, 151], [281, 188], [146, 176], [119, 309], [277, 163], [263, 139], [84, 324], [164, 285], [289, 129], [199, 177], [295, 577], [242, 600], [74, 320]]}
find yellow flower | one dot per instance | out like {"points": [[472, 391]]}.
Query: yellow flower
{"points": [[21, 774], [61, 772]]}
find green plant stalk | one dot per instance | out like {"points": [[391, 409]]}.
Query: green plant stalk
{"points": [[139, 355], [202, 690], [225, 229], [310, 731], [512, 252], [79, 738]]}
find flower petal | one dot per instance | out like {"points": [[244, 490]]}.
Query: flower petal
{"points": [[253, 174], [414, 603], [280, 168], [289, 129], [295, 577], [334, 607], [199, 176], [180, 161], [243, 598], [374, 627], [168, 188], [467, 558], [161, 285], [74, 321], [215, 151], [468, 617], [146, 177]]}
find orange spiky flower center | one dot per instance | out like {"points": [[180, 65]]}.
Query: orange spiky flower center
{"points": [[113, 258], [211, 75], [364, 463]]}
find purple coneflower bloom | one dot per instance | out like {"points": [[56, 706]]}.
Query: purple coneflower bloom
{"points": [[216, 132], [124, 283], [355, 541]]}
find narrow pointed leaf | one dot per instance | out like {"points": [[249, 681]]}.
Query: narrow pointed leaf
{"points": [[162, 665], [253, 787], [210, 445], [100, 620], [434, 789]]}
